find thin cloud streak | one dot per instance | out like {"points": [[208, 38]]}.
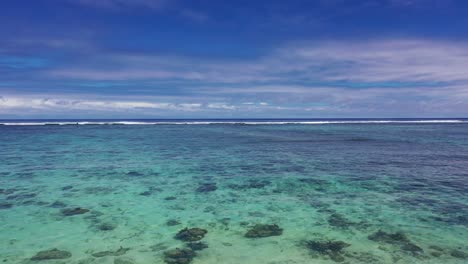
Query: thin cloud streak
{"points": [[377, 61], [314, 101]]}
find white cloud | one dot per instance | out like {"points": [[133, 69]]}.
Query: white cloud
{"points": [[374, 61], [83, 104], [221, 106], [416, 77]]}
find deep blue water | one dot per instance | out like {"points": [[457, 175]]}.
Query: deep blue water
{"points": [[321, 181]]}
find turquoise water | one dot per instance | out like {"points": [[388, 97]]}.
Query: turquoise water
{"points": [[142, 184]]}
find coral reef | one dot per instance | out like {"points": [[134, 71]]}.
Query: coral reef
{"points": [[106, 226], [5, 205], [74, 211], [262, 230], [330, 248], [207, 187], [339, 221], [58, 204], [458, 254], [51, 254], [192, 234], [252, 184], [172, 222], [390, 238], [196, 246], [179, 256], [397, 238]]}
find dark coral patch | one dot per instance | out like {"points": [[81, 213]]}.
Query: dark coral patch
{"points": [[134, 174], [458, 254], [74, 211], [207, 187], [179, 256], [106, 226], [411, 247], [6, 205], [397, 238], [253, 184], [51, 254], [332, 249], [192, 234], [326, 246], [58, 204], [196, 246], [390, 238], [338, 220], [172, 222], [261, 230]]}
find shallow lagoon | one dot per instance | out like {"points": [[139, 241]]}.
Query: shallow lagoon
{"points": [[142, 184]]}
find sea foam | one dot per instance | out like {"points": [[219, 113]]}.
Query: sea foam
{"points": [[321, 122]]}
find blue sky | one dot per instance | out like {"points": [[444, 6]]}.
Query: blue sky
{"points": [[227, 59]]}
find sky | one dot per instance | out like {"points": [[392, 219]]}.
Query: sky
{"points": [[233, 59]]}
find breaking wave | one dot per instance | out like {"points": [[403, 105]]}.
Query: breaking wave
{"points": [[243, 122]]}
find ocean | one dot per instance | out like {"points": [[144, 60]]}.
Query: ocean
{"points": [[257, 191]]}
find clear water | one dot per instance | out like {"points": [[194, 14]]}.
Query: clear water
{"points": [[318, 182]]}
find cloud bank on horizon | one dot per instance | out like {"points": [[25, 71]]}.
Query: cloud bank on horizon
{"points": [[143, 58]]}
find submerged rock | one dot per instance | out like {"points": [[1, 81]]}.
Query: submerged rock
{"points": [[74, 211], [458, 254], [5, 205], [179, 256], [106, 226], [326, 246], [437, 248], [196, 246], [338, 220], [68, 187], [170, 198], [252, 184], [207, 187], [192, 234], [172, 222], [134, 174], [332, 249], [51, 254], [261, 230], [395, 238], [151, 190], [411, 247], [313, 181], [57, 204], [119, 252]]}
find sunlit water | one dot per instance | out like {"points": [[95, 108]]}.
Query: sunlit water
{"points": [[318, 182]]}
